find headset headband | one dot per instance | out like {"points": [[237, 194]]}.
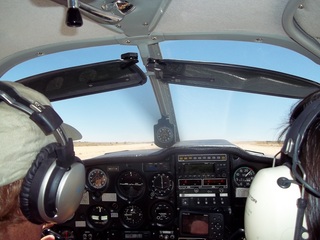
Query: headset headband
{"points": [[45, 117]]}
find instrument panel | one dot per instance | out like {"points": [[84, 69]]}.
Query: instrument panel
{"points": [[183, 193]]}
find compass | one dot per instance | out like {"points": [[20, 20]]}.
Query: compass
{"points": [[164, 134]]}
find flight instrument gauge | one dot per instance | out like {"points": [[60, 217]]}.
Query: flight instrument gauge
{"points": [[162, 184], [243, 177], [98, 217], [97, 179], [132, 216], [162, 213], [164, 133], [131, 185]]}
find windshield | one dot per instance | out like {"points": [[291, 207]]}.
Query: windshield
{"points": [[115, 117], [235, 116], [129, 115]]}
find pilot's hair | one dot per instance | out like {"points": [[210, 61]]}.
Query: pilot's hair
{"points": [[310, 161], [10, 212]]}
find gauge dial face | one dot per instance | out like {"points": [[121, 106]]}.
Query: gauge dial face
{"points": [[164, 134], [162, 212], [132, 216], [97, 179], [131, 185], [243, 177], [98, 217], [162, 184]]}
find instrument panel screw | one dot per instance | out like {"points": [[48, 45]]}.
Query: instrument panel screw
{"points": [[40, 54]]}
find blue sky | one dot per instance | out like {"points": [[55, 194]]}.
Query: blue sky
{"points": [[128, 115]]}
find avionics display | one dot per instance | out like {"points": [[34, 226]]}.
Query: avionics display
{"points": [[203, 182], [202, 166], [204, 225], [194, 224], [197, 169]]}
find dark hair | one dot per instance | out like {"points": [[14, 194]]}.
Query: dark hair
{"points": [[309, 157]]}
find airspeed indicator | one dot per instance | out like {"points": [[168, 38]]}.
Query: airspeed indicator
{"points": [[243, 177]]}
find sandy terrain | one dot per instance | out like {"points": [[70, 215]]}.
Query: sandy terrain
{"points": [[268, 148], [85, 150]]}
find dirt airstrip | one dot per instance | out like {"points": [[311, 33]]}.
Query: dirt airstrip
{"points": [[85, 150]]}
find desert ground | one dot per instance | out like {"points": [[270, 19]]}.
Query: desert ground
{"points": [[85, 150]]}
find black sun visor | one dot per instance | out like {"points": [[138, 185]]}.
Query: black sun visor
{"points": [[88, 79], [231, 77]]}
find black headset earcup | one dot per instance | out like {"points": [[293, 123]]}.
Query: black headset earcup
{"points": [[53, 187], [51, 193], [32, 183]]}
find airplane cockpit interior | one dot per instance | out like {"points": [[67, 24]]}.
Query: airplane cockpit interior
{"points": [[180, 105]]}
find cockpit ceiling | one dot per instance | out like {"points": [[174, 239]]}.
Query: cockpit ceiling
{"points": [[36, 27], [307, 18]]}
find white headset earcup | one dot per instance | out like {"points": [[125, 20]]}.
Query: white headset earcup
{"points": [[270, 211]]}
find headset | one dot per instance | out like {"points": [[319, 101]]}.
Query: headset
{"points": [[53, 186], [276, 204]]}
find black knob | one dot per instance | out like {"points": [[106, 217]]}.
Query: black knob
{"points": [[74, 18]]}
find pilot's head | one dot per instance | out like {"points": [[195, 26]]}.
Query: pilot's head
{"points": [[283, 201], [29, 153]]}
